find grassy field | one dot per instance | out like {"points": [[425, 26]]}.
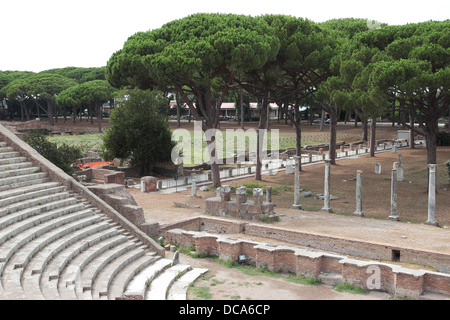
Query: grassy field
{"points": [[84, 141], [231, 141]]}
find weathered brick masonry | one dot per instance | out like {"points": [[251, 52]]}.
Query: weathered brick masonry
{"points": [[393, 278]]}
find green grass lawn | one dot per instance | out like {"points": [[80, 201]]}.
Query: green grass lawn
{"points": [[84, 141]]}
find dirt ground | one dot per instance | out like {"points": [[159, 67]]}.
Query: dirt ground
{"points": [[226, 283]]}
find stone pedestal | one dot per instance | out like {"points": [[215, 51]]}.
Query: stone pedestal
{"points": [[258, 199], [289, 169], [194, 188], [241, 197], [225, 194], [149, 184], [377, 168]]}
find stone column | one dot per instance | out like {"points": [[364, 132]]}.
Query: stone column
{"points": [[297, 204], [432, 195], [225, 195], [241, 197], [219, 192], [326, 188], [394, 148], [289, 169], [394, 215], [400, 168], [377, 168], [269, 194], [194, 187], [258, 199], [359, 211]]}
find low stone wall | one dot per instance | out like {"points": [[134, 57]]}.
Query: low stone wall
{"points": [[369, 275], [241, 207], [102, 176], [339, 245]]}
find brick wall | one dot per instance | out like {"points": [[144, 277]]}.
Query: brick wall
{"points": [[369, 275]]}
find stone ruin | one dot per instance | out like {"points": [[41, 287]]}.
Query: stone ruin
{"points": [[241, 207]]}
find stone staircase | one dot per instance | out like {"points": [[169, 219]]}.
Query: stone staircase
{"points": [[56, 245]]}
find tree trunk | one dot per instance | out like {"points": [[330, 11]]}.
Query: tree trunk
{"points": [[178, 110], [333, 135], [373, 141], [411, 131], [431, 140], [365, 129], [260, 137], [322, 120], [98, 110], [241, 102], [50, 113]]}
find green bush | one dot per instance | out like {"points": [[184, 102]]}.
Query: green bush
{"points": [[139, 131], [62, 156]]}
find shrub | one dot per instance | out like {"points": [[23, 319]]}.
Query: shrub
{"points": [[139, 130], [61, 156]]}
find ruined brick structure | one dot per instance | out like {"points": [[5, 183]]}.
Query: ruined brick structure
{"points": [[240, 207]]}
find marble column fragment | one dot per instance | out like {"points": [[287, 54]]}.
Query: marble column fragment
{"points": [[359, 211], [326, 188], [269, 194], [432, 195], [394, 215], [297, 204]]}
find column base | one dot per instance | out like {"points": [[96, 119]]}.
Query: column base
{"points": [[394, 218], [433, 223], [328, 210], [297, 206], [358, 213]]}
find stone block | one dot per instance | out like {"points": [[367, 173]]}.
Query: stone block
{"points": [[149, 184]]}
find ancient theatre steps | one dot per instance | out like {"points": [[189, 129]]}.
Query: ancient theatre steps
{"points": [[55, 245]]}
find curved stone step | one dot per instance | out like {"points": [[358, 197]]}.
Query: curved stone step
{"points": [[15, 165], [160, 285], [13, 271], [33, 203], [10, 154], [104, 278], [6, 148], [18, 172], [178, 291], [56, 266], [31, 275], [25, 195], [86, 219], [12, 160], [90, 273], [10, 247], [33, 179], [138, 285], [13, 181], [13, 192], [44, 256], [18, 222], [120, 282], [71, 274]]}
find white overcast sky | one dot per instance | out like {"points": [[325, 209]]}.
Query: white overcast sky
{"points": [[38, 35]]}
